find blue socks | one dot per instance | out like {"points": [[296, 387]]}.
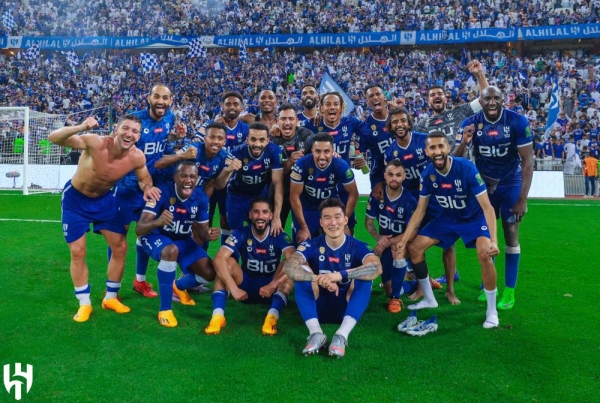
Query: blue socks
{"points": [[511, 269], [166, 276], [398, 273]]}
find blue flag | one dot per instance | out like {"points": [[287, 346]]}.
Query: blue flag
{"points": [[554, 105], [243, 51], [329, 85]]}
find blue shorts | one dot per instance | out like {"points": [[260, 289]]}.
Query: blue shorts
{"points": [[332, 308], [448, 232], [189, 251], [131, 203], [79, 211], [238, 208], [252, 286], [504, 198], [313, 221]]}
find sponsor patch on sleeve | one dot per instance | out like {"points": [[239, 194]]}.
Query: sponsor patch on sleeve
{"points": [[479, 179]]}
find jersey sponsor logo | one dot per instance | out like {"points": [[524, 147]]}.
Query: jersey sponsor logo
{"points": [[158, 130], [479, 179], [257, 167], [349, 174], [262, 251], [321, 179], [290, 148], [446, 186], [391, 210], [181, 210], [333, 259], [492, 132], [439, 121], [205, 168], [333, 133], [230, 137], [408, 157]]}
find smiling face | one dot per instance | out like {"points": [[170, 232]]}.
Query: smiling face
{"points": [[186, 178], [400, 126], [267, 101], [438, 150], [394, 176], [232, 107], [491, 102], [309, 97], [160, 99], [333, 220], [331, 109], [128, 133], [257, 141], [214, 140], [260, 217], [437, 100], [322, 152]]}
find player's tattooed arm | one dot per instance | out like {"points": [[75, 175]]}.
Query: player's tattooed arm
{"points": [[294, 270], [368, 271]]}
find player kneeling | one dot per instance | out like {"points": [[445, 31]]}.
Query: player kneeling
{"points": [[166, 228], [259, 278]]}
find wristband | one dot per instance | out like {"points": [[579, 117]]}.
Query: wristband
{"points": [[344, 275]]}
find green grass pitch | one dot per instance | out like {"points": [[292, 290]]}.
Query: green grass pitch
{"points": [[545, 350]]}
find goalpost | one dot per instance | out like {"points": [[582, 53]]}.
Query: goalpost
{"points": [[28, 160]]}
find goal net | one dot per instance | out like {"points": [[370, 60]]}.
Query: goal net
{"points": [[28, 161]]}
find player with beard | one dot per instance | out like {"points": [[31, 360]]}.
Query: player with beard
{"points": [[373, 135], [448, 121], [336, 285], [165, 230], [157, 123], [309, 98], [503, 155], [314, 178], [87, 199], [410, 148], [261, 165], [392, 213], [343, 130], [236, 134], [467, 213], [259, 278], [294, 141]]}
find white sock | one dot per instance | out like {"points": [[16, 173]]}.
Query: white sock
{"points": [[313, 326], [491, 302], [218, 311], [427, 290], [347, 325], [140, 277], [84, 298], [273, 312]]}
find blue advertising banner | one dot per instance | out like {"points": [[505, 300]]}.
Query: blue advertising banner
{"points": [[349, 40]]}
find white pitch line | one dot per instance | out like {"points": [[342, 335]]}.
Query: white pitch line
{"points": [[28, 220]]}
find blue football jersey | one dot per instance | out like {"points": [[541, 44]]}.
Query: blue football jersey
{"points": [[343, 134], [392, 215], [233, 136], [322, 259], [152, 142], [255, 175], [374, 137], [413, 158], [496, 145], [260, 258], [320, 184], [209, 168], [185, 211], [456, 192]]}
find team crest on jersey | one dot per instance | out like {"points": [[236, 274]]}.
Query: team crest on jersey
{"points": [[506, 131], [479, 126], [249, 242], [320, 129], [172, 200], [395, 154], [322, 249], [432, 178], [373, 127], [400, 211], [311, 171]]}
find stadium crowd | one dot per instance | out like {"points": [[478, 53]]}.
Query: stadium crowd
{"points": [[117, 78], [210, 17]]}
